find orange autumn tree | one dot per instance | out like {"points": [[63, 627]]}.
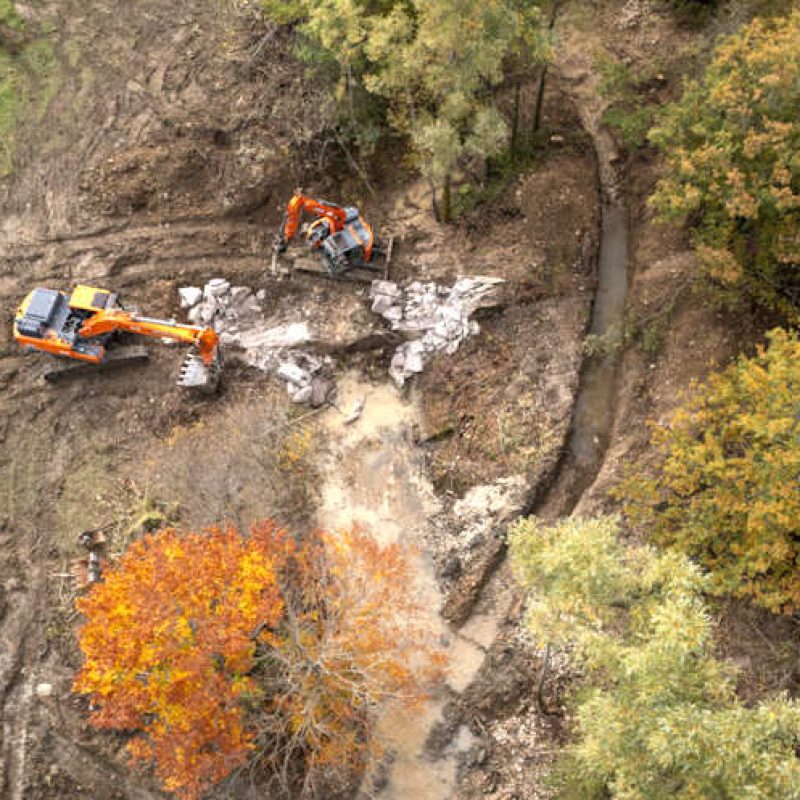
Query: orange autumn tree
{"points": [[220, 648]]}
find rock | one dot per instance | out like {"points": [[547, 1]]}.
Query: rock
{"points": [[294, 374], [216, 287], [44, 689], [300, 395], [355, 412], [382, 303], [393, 314], [387, 288], [190, 296], [414, 357], [321, 391], [500, 500], [291, 335], [238, 294]]}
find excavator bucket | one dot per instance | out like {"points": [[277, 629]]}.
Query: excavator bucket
{"points": [[195, 374]]}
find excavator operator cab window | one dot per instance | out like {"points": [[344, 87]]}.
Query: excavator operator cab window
{"points": [[350, 214]]}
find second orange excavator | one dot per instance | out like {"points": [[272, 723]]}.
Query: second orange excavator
{"points": [[344, 240], [80, 326]]}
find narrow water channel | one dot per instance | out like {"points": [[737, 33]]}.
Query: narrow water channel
{"points": [[594, 407]]}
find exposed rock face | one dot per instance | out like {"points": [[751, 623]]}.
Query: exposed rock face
{"points": [[474, 529]]}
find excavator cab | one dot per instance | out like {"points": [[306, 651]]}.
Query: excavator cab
{"points": [[342, 252], [51, 320]]}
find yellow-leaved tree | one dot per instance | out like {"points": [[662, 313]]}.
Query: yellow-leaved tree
{"points": [[732, 146], [727, 492]]}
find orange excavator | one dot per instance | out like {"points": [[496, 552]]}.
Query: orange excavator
{"points": [[80, 326], [345, 241]]}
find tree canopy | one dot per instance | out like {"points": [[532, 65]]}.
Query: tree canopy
{"points": [[657, 717], [219, 648], [434, 64], [727, 492], [732, 145]]}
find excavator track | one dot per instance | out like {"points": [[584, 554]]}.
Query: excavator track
{"points": [[119, 357], [378, 270]]}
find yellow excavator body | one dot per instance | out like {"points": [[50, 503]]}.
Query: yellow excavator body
{"points": [[81, 325]]}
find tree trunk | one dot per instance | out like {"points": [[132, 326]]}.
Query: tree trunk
{"points": [[537, 113], [515, 122], [446, 207], [434, 205]]}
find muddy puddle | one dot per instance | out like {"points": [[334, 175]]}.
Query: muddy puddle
{"points": [[374, 477]]}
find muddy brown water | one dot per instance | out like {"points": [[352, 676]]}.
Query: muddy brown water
{"points": [[594, 406], [374, 476], [593, 413]]}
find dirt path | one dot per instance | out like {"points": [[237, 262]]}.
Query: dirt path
{"points": [[375, 477]]}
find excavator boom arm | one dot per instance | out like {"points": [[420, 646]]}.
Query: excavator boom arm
{"points": [[102, 322], [320, 208]]}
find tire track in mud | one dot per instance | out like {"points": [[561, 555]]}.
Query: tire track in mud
{"points": [[126, 253], [17, 681]]}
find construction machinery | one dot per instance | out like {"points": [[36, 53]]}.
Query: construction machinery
{"points": [[82, 325], [344, 241]]}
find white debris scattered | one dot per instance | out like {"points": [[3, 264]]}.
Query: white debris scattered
{"points": [[355, 411], [44, 689], [190, 296], [483, 512], [438, 317], [236, 314]]}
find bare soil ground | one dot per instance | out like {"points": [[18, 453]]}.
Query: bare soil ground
{"points": [[176, 132]]}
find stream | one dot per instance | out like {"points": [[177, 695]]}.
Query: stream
{"points": [[593, 413]]}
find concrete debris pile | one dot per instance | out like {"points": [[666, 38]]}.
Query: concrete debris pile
{"points": [[308, 379], [435, 318], [236, 314], [484, 511], [228, 309]]}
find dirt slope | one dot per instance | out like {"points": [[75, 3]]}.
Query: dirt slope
{"points": [[176, 131]]}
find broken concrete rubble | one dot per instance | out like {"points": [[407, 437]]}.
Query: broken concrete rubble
{"points": [[483, 513], [190, 296], [235, 312], [434, 317]]}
